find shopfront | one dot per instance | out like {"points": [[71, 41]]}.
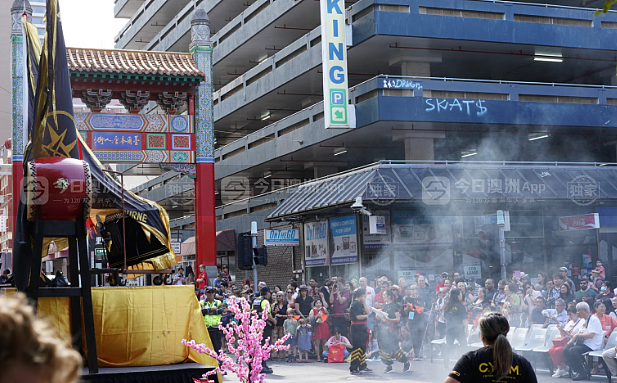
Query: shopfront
{"points": [[418, 235]]}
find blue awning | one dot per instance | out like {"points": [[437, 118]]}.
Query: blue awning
{"points": [[435, 185]]}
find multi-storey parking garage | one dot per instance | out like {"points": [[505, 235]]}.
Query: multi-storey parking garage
{"points": [[511, 106]]}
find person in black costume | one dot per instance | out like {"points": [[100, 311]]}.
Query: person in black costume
{"points": [[413, 311], [358, 313], [495, 362], [456, 323], [389, 348]]}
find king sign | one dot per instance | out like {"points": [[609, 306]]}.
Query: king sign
{"points": [[337, 113]]}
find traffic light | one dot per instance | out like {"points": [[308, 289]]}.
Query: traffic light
{"points": [[245, 252], [261, 256]]}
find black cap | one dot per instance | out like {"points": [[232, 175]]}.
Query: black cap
{"points": [[264, 290]]}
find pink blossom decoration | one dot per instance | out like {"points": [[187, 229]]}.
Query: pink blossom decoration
{"points": [[244, 336]]}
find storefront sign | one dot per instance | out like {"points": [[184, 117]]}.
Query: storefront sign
{"points": [[289, 237], [473, 272], [316, 243], [408, 274], [420, 231], [345, 240], [334, 59], [579, 222], [373, 240]]}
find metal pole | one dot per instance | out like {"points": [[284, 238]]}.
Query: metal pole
{"points": [[502, 251], [598, 242], [360, 241], [254, 243]]}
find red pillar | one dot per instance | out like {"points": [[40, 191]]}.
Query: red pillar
{"points": [[18, 175], [205, 219]]}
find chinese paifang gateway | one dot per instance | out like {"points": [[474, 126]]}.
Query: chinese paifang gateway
{"points": [[52, 133]]}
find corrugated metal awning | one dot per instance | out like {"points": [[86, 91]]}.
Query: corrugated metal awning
{"points": [[385, 183]]}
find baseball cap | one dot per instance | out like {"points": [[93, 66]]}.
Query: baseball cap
{"points": [[303, 287], [563, 268], [444, 273], [264, 290], [209, 289]]}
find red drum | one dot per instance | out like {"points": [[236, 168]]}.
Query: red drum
{"points": [[58, 189]]}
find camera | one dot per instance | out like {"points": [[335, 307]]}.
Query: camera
{"points": [[359, 208], [336, 286]]}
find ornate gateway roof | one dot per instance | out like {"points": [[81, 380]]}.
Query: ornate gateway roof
{"points": [[131, 62]]}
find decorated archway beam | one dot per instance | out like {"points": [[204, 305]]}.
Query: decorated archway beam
{"points": [[146, 138]]}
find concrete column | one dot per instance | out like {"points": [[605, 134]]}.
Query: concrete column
{"points": [[205, 219], [415, 65], [419, 149], [414, 68], [419, 146], [18, 97]]}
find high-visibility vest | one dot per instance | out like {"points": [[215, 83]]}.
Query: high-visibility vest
{"points": [[211, 320]]}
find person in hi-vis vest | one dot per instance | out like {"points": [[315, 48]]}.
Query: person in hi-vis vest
{"points": [[211, 310]]}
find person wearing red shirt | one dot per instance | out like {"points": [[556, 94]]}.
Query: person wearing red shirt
{"points": [[202, 279], [379, 301], [438, 287], [225, 272]]}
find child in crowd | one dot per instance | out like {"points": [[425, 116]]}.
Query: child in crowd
{"points": [[372, 351], [226, 318], [600, 269], [291, 325], [304, 340]]}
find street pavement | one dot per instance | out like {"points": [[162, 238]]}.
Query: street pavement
{"points": [[421, 371]]}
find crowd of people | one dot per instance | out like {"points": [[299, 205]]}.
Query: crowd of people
{"points": [[395, 321]]}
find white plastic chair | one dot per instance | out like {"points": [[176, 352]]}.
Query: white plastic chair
{"points": [[519, 337], [542, 351]]}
